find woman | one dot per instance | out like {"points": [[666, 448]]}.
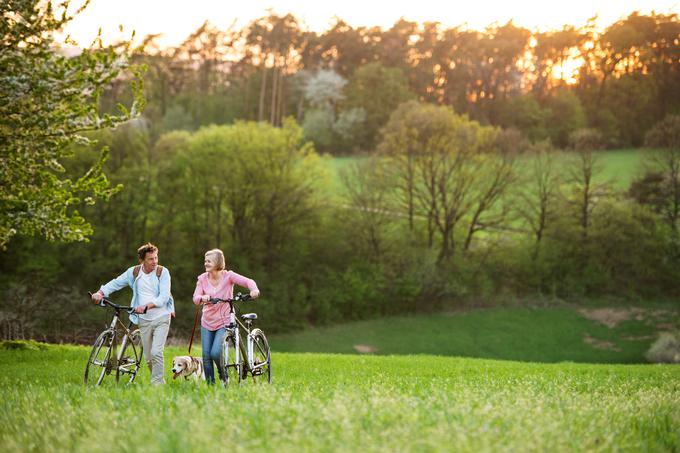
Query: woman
{"points": [[218, 283]]}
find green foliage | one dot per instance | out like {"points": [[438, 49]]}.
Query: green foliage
{"points": [[318, 127], [47, 101], [24, 345], [586, 139], [566, 116], [377, 90], [632, 101], [525, 114], [445, 170], [665, 134]]}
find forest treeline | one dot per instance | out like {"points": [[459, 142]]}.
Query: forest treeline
{"points": [[461, 195], [342, 84], [440, 216]]}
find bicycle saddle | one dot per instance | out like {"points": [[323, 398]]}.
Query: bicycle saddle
{"points": [[249, 316]]}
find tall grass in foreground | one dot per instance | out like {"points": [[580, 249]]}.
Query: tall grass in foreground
{"points": [[325, 402]]}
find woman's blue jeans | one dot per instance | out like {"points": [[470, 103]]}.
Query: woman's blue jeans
{"points": [[211, 345]]}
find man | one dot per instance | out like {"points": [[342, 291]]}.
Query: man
{"points": [[152, 302]]}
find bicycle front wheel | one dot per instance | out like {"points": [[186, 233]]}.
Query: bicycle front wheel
{"points": [[130, 357], [99, 364], [262, 361], [231, 361]]}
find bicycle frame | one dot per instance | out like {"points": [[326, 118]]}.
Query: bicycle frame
{"points": [[248, 350], [116, 338], [117, 328], [238, 332]]}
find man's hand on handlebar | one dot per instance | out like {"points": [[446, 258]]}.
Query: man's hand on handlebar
{"points": [[97, 297], [142, 309]]}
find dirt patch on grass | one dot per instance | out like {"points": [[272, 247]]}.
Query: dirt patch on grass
{"points": [[600, 344], [365, 349], [611, 317]]}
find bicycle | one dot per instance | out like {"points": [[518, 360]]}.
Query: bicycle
{"points": [[117, 348], [237, 359]]}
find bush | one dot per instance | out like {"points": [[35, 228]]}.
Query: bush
{"points": [[511, 142], [586, 140], [22, 345], [666, 349], [665, 133]]}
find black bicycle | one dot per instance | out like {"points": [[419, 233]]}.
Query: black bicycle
{"points": [[240, 359], [117, 349]]}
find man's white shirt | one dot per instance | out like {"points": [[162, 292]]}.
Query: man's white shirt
{"points": [[147, 286]]}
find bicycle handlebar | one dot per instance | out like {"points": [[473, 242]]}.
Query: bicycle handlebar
{"points": [[237, 298], [104, 302]]}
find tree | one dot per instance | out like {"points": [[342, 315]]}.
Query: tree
{"points": [[526, 114], [274, 42], [585, 190], [378, 91], [323, 91], [666, 136], [439, 159], [328, 129], [566, 115], [494, 176], [368, 190], [539, 193], [47, 101]]}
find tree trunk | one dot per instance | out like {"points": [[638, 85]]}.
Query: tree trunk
{"points": [[263, 90], [275, 81]]}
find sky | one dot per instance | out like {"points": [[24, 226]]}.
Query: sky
{"points": [[176, 19]]}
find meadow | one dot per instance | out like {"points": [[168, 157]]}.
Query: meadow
{"points": [[617, 167], [536, 334], [415, 401]]}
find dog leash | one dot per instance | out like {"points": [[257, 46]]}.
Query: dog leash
{"points": [[193, 330]]}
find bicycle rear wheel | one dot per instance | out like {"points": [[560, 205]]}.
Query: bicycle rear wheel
{"points": [[130, 357], [99, 364], [231, 361], [262, 362]]}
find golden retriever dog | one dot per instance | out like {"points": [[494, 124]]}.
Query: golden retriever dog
{"points": [[187, 367]]}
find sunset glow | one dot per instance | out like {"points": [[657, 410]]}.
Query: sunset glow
{"points": [[174, 20], [568, 70]]}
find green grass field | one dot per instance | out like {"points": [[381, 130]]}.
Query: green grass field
{"points": [[528, 334], [327, 402], [618, 167]]}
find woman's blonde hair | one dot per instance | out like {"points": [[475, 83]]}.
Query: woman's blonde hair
{"points": [[217, 256]]}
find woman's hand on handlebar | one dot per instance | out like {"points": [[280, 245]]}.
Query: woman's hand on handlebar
{"points": [[255, 293], [205, 298]]}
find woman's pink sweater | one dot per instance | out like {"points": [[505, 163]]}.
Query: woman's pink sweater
{"points": [[216, 316]]}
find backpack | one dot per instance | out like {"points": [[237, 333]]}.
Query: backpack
{"points": [[135, 271], [159, 271]]}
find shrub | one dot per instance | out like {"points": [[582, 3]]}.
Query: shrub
{"points": [[511, 142], [23, 345], [666, 349], [665, 133], [586, 140]]}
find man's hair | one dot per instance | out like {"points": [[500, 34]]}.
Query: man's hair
{"points": [[217, 256], [146, 248]]}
